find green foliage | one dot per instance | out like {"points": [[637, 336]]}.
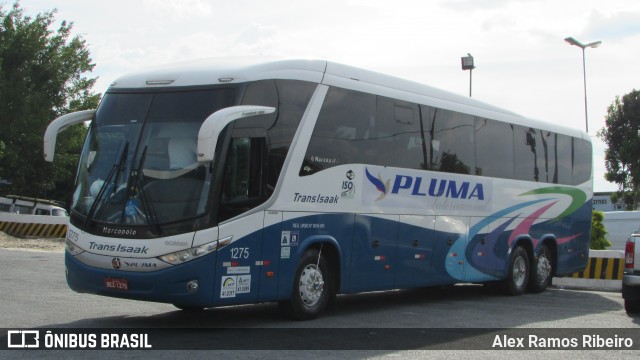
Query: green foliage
{"points": [[623, 146], [42, 76], [598, 232]]}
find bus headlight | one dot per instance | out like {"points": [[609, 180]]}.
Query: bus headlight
{"points": [[73, 249], [183, 256]]}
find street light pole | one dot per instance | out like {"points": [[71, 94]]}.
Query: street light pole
{"points": [[467, 64], [582, 46]]}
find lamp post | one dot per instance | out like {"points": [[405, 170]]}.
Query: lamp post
{"points": [[582, 46], [467, 64]]}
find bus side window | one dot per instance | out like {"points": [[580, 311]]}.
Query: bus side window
{"points": [[397, 137], [494, 149], [344, 132], [452, 144]]}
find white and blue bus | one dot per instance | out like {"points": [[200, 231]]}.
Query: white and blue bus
{"points": [[227, 182]]}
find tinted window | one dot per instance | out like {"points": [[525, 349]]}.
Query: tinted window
{"points": [[290, 98], [582, 161], [355, 127], [123, 109], [344, 131], [494, 148], [565, 159], [294, 98], [529, 154], [262, 93], [396, 135], [549, 145], [452, 142], [189, 106]]}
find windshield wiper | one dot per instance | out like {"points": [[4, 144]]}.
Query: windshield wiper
{"points": [[138, 186], [115, 170]]}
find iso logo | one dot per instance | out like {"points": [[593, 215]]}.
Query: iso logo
{"points": [[21, 339]]}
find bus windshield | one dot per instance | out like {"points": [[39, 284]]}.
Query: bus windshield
{"points": [[139, 164]]}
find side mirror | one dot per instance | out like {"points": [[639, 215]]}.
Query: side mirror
{"points": [[215, 123], [58, 125]]}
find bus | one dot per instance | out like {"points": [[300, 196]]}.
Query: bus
{"points": [[237, 181]]}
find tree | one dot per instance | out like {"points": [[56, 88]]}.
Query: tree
{"points": [[623, 146], [598, 232], [42, 76]]}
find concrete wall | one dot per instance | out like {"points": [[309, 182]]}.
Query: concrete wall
{"points": [[604, 270], [36, 226]]}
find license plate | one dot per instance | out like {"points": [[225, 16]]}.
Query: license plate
{"points": [[116, 284]]}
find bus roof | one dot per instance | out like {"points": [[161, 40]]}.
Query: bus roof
{"points": [[238, 70]]}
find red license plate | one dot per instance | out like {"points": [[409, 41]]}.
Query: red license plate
{"points": [[116, 284]]}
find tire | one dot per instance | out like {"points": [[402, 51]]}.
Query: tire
{"points": [[312, 288], [541, 271], [519, 270], [632, 306]]}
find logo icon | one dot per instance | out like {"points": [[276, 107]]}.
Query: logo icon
{"points": [[351, 175], [379, 184], [19, 339], [116, 263]]}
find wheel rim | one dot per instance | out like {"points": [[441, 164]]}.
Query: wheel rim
{"points": [[311, 285], [543, 269], [519, 271]]}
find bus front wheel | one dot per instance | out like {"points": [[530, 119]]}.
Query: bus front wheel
{"points": [[312, 287], [518, 276]]}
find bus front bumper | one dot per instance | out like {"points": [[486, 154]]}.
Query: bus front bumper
{"points": [[174, 285]]}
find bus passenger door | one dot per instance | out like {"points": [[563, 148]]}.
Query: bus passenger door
{"points": [[243, 188], [415, 251], [374, 249]]}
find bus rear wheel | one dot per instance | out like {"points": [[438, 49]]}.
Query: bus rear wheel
{"points": [[312, 288], [541, 271], [518, 276]]}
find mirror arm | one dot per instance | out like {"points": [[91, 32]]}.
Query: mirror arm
{"points": [[216, 122], [60, 124]]}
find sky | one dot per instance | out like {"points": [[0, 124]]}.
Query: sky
{"points": [[522, 62]]}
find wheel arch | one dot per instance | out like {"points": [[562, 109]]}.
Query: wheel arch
{"points": [[526, 242]]}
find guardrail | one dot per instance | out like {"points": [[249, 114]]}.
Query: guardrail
{"points": [[604, 270], [33, 226]]}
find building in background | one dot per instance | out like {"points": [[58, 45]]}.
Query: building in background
{"points": [[602, 202]]}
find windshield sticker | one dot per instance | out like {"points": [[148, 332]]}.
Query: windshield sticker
{"points": [[285, 252], [243, 284], [228, 287], [289, 238]]}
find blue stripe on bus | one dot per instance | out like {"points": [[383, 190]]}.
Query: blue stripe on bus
{"points": [[375, 254]]}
